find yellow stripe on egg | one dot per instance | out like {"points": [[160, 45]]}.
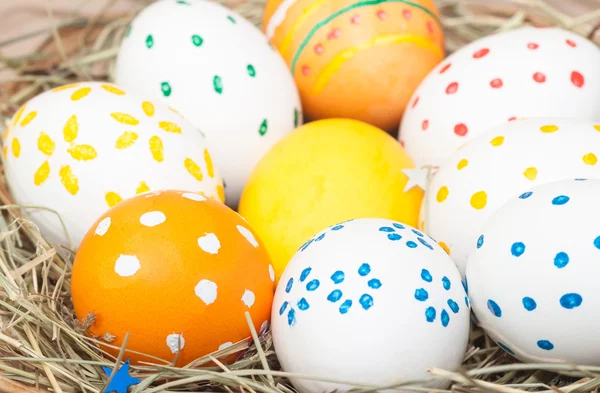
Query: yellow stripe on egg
{"points": [[80, 93], [148, 108], [18, 115], [113, 89], [71, 129], [156, 147], [29, 118], [45, 144], [68, 180], [82, 152], [16, 147], [306, 13], [193, 169], [124, 118], [126, 139], [42, 173], [209, 164], [169, 126]]}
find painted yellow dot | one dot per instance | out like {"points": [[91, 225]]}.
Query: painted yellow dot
{"points": [[5, 151], [124, 118], [71, 129], [531, 173], [479, 200], [221, 193], [442, 194], [65, 87], [148, 108], [29, 118], [143, 187], [497, 141], [6, 133], [68, 180], [113, 89], [46, 144], [126, 139], [18, 115], [549, 128], [169, 126], [112, 198], [82, 152], [445, 247], [597, 127], [16, 147], [80, 93], [209, 164], [193, 169], [156, 147], [462, 163], [422, 225], [41, 174], [590, 159]]}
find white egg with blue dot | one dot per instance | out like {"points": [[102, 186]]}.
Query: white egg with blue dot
{"points": [[532, 274], [369, 301]]}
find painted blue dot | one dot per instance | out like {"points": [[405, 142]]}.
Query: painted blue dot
{"points": [[364, 269], [321, 236], [571, 300], [561, 259], [453, 306], [480, 241], [291, 316], [334, 296], [430, 314], [399, 226], [446, 283], [597, 242], [507, 349], [338, 277], [305, 274], [305, 245], [580, 179], [303, 304], [424, 242], [426, 276], [526, 195], [417, 232], [421, 294], [374, 283], [494, 308], [283, 308], [312, 285], [560, 200], [387, 229], [394, 236], [467, 301], [545, 345], [517, 249], [366, 301], [344, 307], [411, 244], [445, 318], [289, 285], [337, 227], [465, 284], [529, 303]]}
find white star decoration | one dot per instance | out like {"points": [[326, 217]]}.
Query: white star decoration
{"points": [[417, 177]]}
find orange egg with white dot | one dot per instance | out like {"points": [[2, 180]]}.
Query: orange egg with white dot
{"points": [[80, 149], [176, 270], [356, 59]]}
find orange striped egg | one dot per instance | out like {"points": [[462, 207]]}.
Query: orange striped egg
{"points": [[359, 59]]}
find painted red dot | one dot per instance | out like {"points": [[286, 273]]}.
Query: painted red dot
{"points": [[381, 14], [512, 118], [577, 79], [452, 88], [415, 102], [532, 45], [430, 26], [319, 49], [402, 143], [481, 53], [305, 70], [461, 129], [496, 83], [571, 43], [406, 14], [445, 68], [334, 33], [425, 125], [355, 19], [539, 77]]}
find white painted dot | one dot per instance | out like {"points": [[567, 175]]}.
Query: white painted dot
{"points": [[193, 197], [264, 327], [175, 342], [206, 290], [209, 243], [225, 345], [152, 219], [127, 265], [271, 272], [248, 235], [102, 227], [248, 298]]}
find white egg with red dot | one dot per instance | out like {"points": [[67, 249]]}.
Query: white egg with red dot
{"points": [[526, 72]]}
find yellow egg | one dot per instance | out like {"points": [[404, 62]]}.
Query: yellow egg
{"points": [[323, 173]]}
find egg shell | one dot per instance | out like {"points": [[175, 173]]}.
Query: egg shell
{"points": [[501, 164], [219, 71], [545, 245], [80, 149], [177, 271], [369, 301], [325, 172], [356, 59], [526, 72]]}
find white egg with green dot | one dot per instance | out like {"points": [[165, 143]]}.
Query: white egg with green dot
{"points": [[369, 301], [218, 70], [531, 274]]}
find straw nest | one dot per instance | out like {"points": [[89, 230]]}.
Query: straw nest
{"points": [[43, 346]]}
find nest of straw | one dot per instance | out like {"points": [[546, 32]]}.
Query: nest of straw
{"points": [[44, 347]]}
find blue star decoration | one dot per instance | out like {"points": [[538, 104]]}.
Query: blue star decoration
{"points": [[121, 381]]}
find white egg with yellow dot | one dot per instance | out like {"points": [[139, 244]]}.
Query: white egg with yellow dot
{"points": [[220, 72], [79, 149], [498, 165], [545, 246]]}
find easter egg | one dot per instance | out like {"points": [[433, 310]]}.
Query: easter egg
{"points": [[545, 245], [501, 164], [325, 172], [219, 71], [359, 60], [177, 271], [386, 299], [526, 72], [80, 149]]}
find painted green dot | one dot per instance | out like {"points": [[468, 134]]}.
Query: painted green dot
{"points": [[218, 84], [231, 19], [183, 2], [149, 41], [197, 40], [263, 128], [166, 89], [128, 32], [251, 70], [296, 117]]}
